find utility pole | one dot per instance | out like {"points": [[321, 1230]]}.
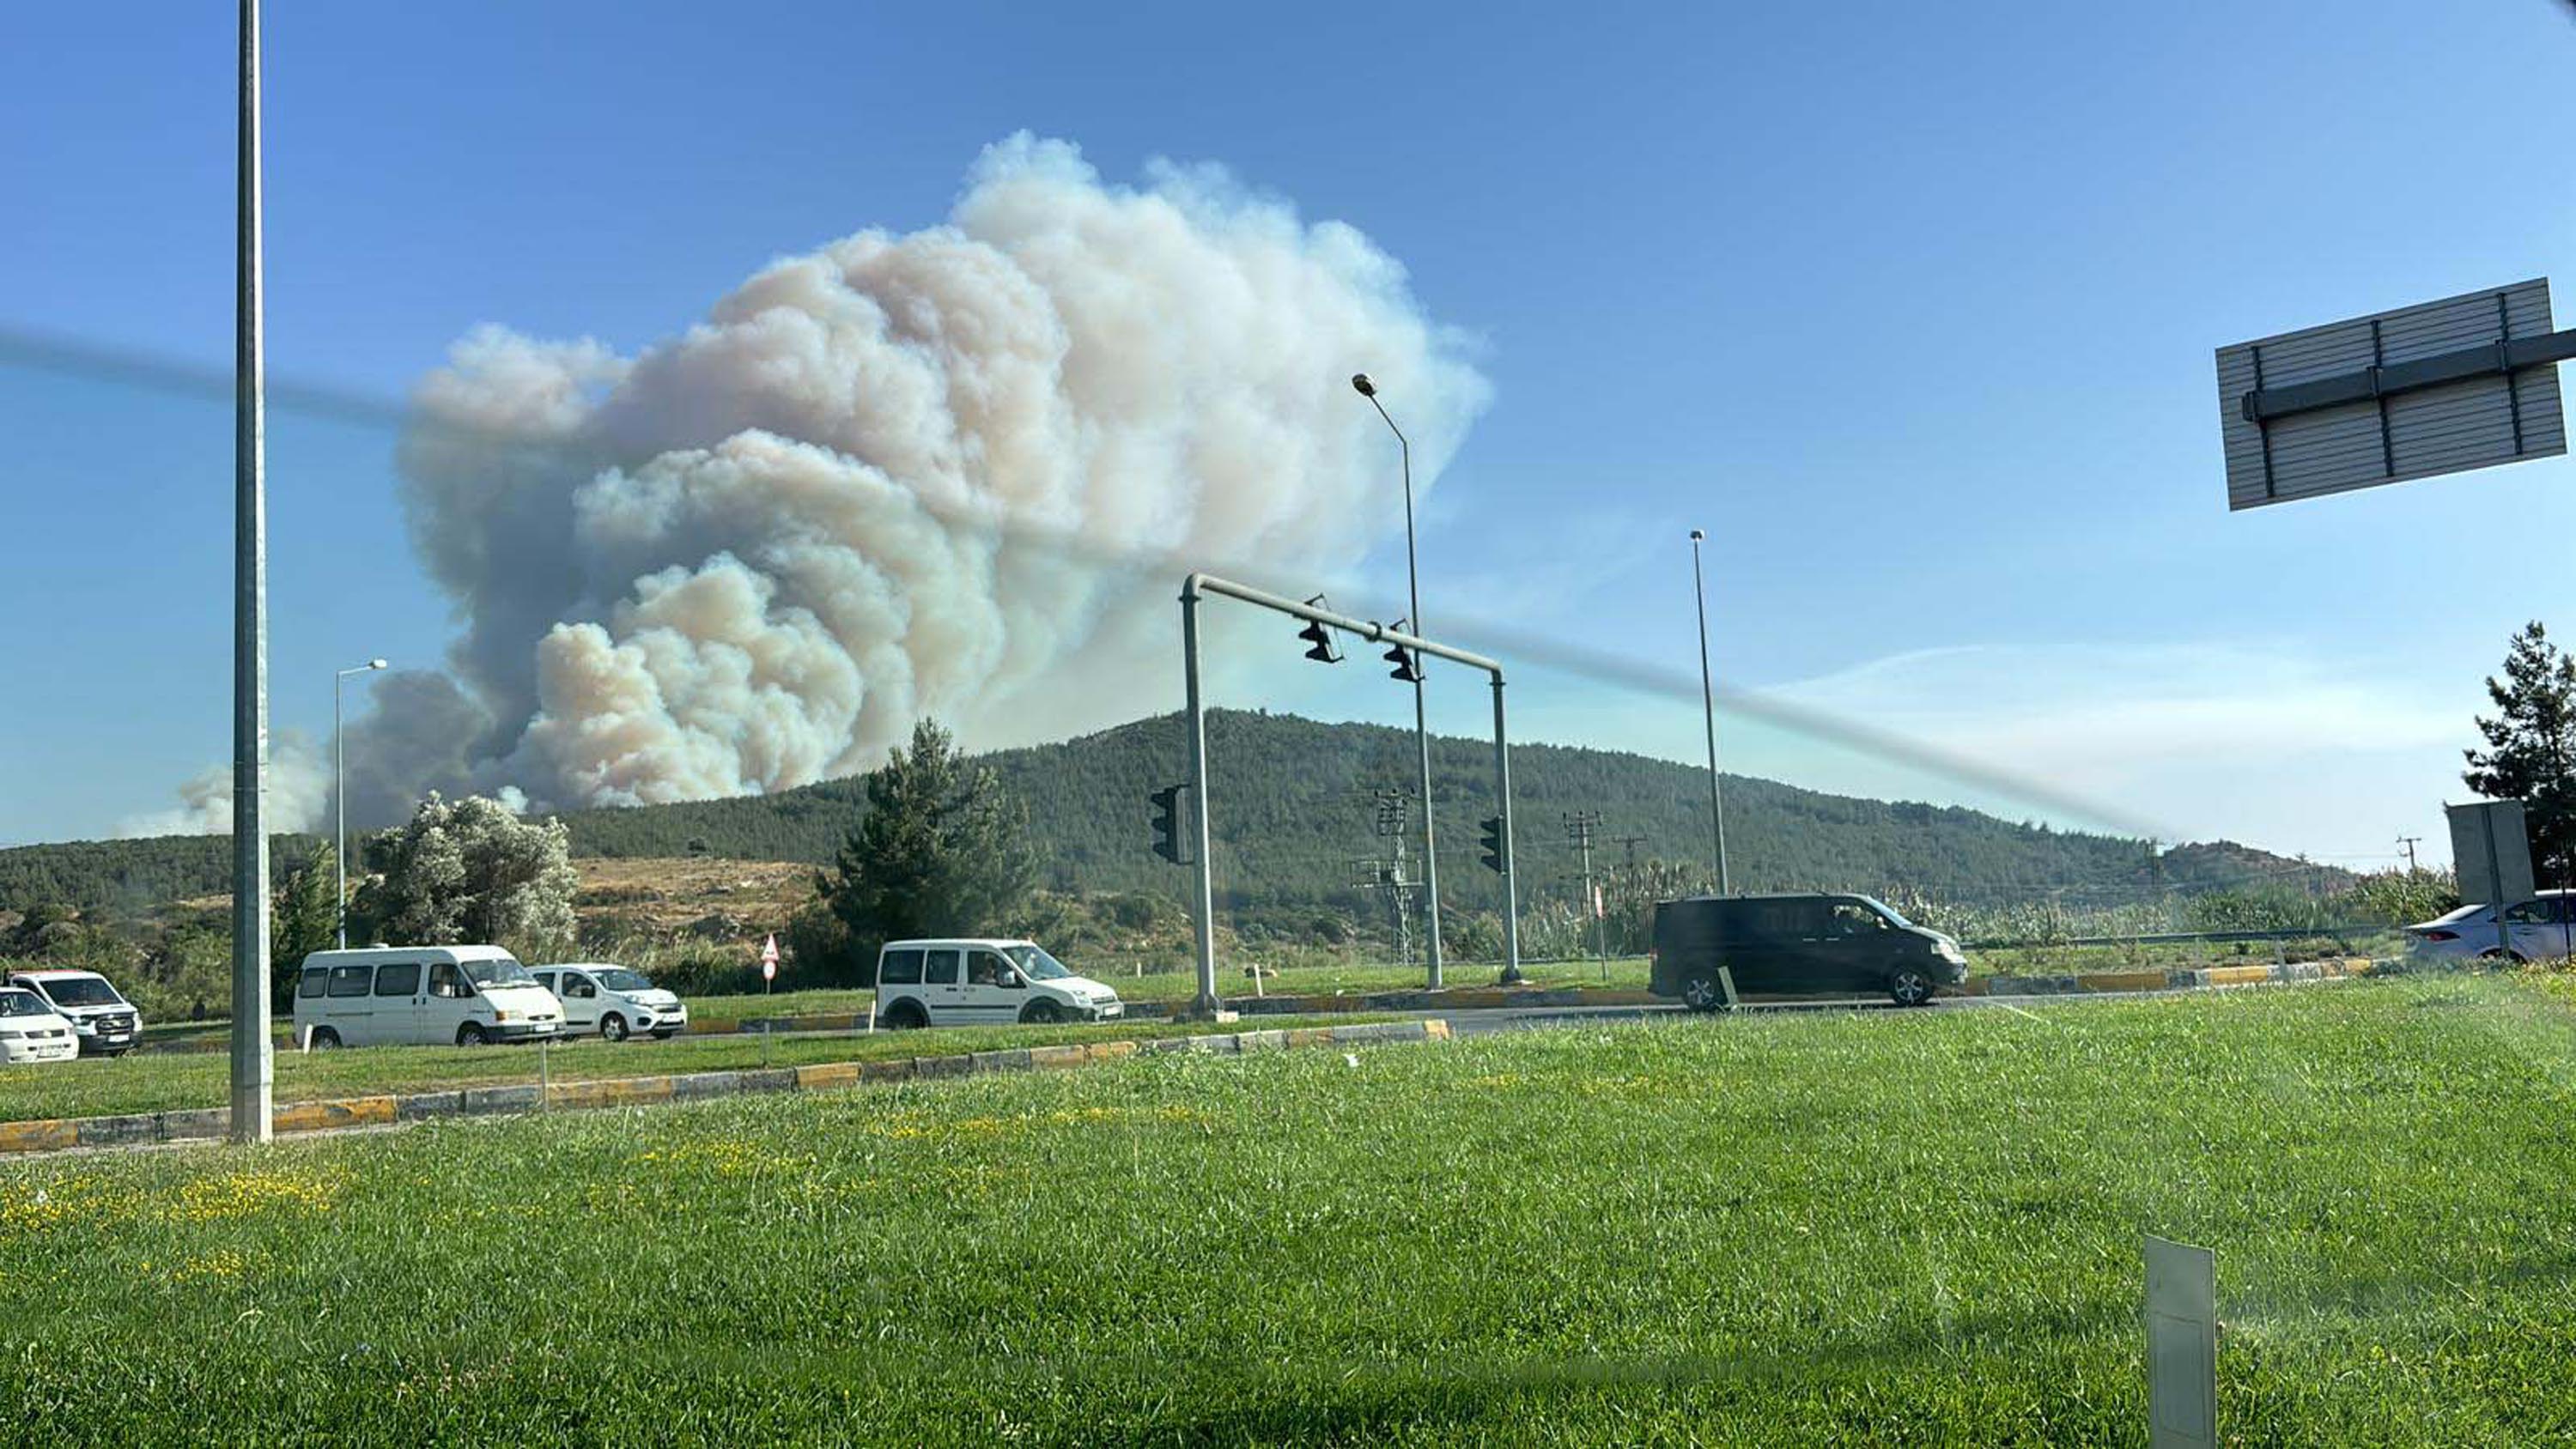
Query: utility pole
{"points": [[1392, 809], [1421, 725], [2408, 843], [1708, 708], [253, 1059], [1579, 828]]}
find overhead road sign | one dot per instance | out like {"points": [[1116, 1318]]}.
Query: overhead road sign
{"points": [[2445, 387]]}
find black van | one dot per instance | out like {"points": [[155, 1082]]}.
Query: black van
{"points": [[1794, 944]]}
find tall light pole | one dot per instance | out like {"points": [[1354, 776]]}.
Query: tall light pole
{"points": [[253, 1061], [1421, 729], [340, 801], [1708, 707]]}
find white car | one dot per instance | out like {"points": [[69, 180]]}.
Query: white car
{"points": [[2542, 928], [982, 983], [30, 1031], [612, 1001], [104, 1022], [421, 996]]}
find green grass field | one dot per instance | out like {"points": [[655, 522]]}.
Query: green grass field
{"points": [[175, 1081], [1875, 1228]]}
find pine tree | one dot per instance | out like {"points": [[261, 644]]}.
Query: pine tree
{"points": [[943, 850], [2531, 747]]}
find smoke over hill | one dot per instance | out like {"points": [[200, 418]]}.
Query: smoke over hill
{"points": [[901, 474]]}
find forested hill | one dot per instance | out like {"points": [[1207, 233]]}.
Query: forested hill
{"points": [[1293, 811]]}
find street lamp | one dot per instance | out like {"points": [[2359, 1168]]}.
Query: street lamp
{"points": [[1708, 706], [1421, 730], [340, 800]]}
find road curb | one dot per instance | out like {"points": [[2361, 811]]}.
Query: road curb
{"points": [[45, 1135]]}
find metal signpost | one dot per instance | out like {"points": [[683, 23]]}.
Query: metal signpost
{"points": [[2445, 387], [2491, 849], [1198, 586]]}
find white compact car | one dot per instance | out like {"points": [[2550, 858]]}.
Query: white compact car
{"points": [[30, 1031], [2540, 929], [104, 1022], [612, 1001], [421, 996], [980, 983]]}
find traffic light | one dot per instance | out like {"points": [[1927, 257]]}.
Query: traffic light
{"points": [[1405, 669], [1493, 844], [1319, 644], [1167, 823]]}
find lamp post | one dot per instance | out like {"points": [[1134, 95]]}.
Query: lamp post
{"points": [[1421, 730], [340, 801], [1708, 707]]}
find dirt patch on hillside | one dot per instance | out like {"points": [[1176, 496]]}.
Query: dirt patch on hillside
{"points": [[691, 897]]}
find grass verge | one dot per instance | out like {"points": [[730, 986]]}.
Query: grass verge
{"points": [[148, 1082], [1879, 1227]]}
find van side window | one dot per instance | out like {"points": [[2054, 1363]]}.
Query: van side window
{"points": [[578, 986], [901, 968], [446, 980], [941, 968], [310, 984], [351, 980], [1855, 920], [545, 979], [984, 968], [398, 978]]}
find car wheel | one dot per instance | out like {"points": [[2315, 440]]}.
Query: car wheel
{"points": [[905, 1016], [1703, 993], [612, 1027], [2494, 956], [472, 1034], [1042, 1013], [1909, 986], [325, 1039]]}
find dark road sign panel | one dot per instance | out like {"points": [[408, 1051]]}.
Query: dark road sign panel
{"points": [[2444, 387]]}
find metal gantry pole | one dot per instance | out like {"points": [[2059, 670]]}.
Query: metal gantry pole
{"points": [[252, 1064], [1511, 881], [1207, 1003], [1708, 707]]}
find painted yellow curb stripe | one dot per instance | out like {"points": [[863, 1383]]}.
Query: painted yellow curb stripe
{"points": [[43, 1135], [2238, 975], [1057, 1056], [2122, 981], [322, 1116], [827, 1074]]}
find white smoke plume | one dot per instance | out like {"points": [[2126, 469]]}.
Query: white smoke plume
{"points": [[895, 477], [299, 791]]}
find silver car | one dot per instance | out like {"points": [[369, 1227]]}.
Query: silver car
{"points": [[2542, 928]]}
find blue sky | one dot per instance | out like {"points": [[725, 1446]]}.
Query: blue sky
{"points": [[1911, 307]]}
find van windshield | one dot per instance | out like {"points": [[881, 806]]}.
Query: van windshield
{"points": [[1035, 964], [21, 1003], [503, 972], [83, 991], [618, 978]]}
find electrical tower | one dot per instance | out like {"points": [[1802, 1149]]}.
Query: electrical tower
{"points": [[1580, 827]]}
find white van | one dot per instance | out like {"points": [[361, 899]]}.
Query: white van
{"points": [[31, 1032], [420, 996], [612, 1001], [980, 983], [105, 1022]]}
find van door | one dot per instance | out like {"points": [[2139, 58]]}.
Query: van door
{"points": [[394, 1006], [1762, 938], [348, 1004], [987, 1001], [942, 994], [443, 1004], [1853, 953], [580, 997]]}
